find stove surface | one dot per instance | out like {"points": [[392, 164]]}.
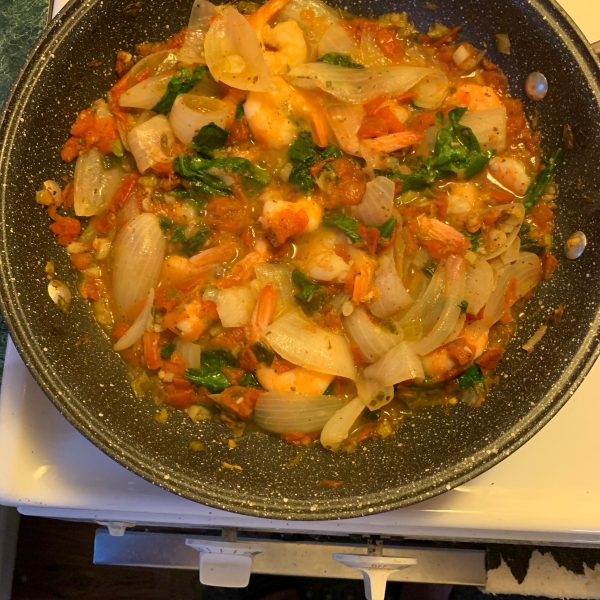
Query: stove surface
{"points": [[548, 491]]}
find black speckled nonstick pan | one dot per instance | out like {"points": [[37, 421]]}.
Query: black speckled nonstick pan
{"points": [[440, 448]]}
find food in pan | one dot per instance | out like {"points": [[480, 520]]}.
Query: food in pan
{"points": [[293, 219]]}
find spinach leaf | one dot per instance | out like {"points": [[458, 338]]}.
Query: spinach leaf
{"points": [[213, 360], [209, 138], [239, 111], [167, 351], [249, 380], [469, 377], [387, 228], [312, 296], [339, 60], [474, 238], [464, 305], [329, 390], [538, 186], [181, 83], [345, 224], [531, 245], [263, 353], [165, 223], [190, 245], [214, 381], [181, 193], [303, 154], [178, 236]]}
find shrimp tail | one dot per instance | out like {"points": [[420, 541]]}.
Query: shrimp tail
{"points": [[265, 13], [264, 311]]}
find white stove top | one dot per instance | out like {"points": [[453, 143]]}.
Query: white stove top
{"points": [[548, 491]]}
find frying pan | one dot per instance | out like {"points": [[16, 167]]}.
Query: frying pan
{"points": [[435, 450]]}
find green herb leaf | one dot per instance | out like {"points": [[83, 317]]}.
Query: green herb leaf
{"points": [[164, 223], [213, 360], [178, 236], [191, 245], [474, 238], [239, 110], [249, 380], [181, 83], [469, 377], [167, 351], [210, 137], [387, 228], [538, 186], [530, 245], [214, 381], [181, 193], [463, 306], [312, 296], [329, 390], [345, 224], [263, 353], [339, 60], [117, 148]]}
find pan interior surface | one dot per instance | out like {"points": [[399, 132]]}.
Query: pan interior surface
{"points": [[435, 450]]}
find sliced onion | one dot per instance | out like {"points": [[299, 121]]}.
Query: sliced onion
{"points": [[377, 203], [455, 292], [425, 304], [373, 394], [394, 296], [129, 211], [368, 53], [234, 54], [280, 275], [336, 39], [150, 142], [235, 305], [146, 94], [535, 338], [298, 340], [399, 364], [135, 332], [457, 329], [192, 51], [431, 91], [356, 85], [94, 185], [284, 412], [504, 231], [372, 340], [155, 64], [190, 353], [427, 146], [191, 112], [479, 284], [337, 429], [299, 9], [512, 252], [138, 252], [527, 270], [345, 120], [489, 127]]}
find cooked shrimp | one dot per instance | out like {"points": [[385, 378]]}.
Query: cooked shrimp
{"points": [[363, 268], [212, 257], [243, 270], [462, 197], [265, 13], [475, 97], [510, 173], [179, 268], [392, 142], [274, 204], [264, 311], [318, 258], [298, 379], [285, 47], [190, 321], [443, 233]]}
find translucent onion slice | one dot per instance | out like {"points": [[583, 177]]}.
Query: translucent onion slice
{"points": [[151, 142], [394, 296], [377, 203], [372, 341], [338, 428], [192, 51], [479, 284], [298, 10], [298, 340], [504, 231], [373, 394], [527, 271], [284, 412], [489, 127], [368, 53], [336, 39], [191, 112], [431, 91], [455, 292], [147, 93], [356, 85], [427, 301], [155, 64], [138, 253], [135, 332], [512, 252], [94, 185], [401, 363], [190, 353], [235, 305], [280, 275], [345, 120], [234, 54]]}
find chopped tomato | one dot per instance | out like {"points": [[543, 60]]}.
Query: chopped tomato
{"points": [[510, 294], [300, 439], [370, 237], [240, 400], [120, 330], [234, 336], [423, 121], [490, 358], [405, 97], [247, 359], [286, 223], [105, 222], [173, 43], [152, 350], [441, 203], [239, 131], [389, 44], [227, 214], [448, 38], [234, 375], [180, 398], [166, 297], [372, 127], [371, 106], [66, 229], [282, 366], [127, 186], [394, 123], [70, 151], [89, 289], [357, 355], [81, 261], [89, 131], [461, 350], [175, 365], [549, 264], [68, 195], [316, 169]]}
